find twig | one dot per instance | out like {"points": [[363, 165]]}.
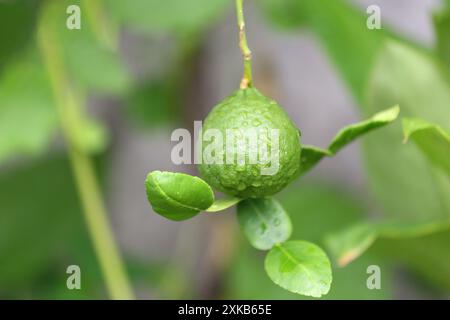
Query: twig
{"points": [[247, 80], [70, 116]]}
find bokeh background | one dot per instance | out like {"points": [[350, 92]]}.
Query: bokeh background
{"points": [[142, 69]]}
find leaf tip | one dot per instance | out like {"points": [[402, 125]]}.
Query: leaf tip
{"points": [[347, 257], [395, 112], [388, 115]]}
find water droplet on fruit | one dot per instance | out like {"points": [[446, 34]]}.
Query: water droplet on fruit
{"points": [[256, 183], [256, 122], [262, 229], [241, 186]]}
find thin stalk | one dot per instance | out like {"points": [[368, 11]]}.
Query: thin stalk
{"points": [[103, 28], [71, 118], [247, 79]]}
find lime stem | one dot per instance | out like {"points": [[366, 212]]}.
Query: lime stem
{"points": [[71, 118], [247, 79]]}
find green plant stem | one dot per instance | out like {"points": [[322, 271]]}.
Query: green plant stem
{"points": [[103, 28], [247, 79], [70, 115]]}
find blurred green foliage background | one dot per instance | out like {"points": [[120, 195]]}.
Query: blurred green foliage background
{"points": [[42, 230]]}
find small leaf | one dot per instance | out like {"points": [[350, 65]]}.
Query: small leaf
{"points": [[264, 222], [222, 204], [431, 139], [350, 133], [311, 155], [300, 267], [178, 196], [349, 244]]}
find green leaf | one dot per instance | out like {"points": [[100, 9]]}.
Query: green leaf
{"points": [[264, 222], [92, 66], [168, 15], [152, 104], [431, 139], [286, 14], [405, 184], [27, 116], [341, 29], [300, 267], [349, 244], [350, 133], [311, 156], [407, 187], [427, 257], [442, 26], [391, 167], [178, 196], [33, 232], [329, 208], [28, 120], [222, 204]]}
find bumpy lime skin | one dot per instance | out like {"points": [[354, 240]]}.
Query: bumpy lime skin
{"points": [[246, 109]]}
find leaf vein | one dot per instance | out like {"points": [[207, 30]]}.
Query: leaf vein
{"points": [[173, 200]]}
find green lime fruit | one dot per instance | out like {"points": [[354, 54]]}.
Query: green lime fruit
{"points": [[247, 110]]}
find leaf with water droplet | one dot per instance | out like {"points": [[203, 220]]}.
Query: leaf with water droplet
{"points": [[300, 267], [264, 222]]}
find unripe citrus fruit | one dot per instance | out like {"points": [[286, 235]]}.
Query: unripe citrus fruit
{"points": [[247, 110]]}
